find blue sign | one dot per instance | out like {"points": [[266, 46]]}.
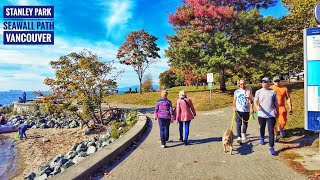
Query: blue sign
{"points": [[312, 78]]}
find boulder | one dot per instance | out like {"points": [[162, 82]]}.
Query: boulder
{"points": [[91, 150], [31, 176]]}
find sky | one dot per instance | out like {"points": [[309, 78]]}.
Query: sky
{"points": [[100, 26]]}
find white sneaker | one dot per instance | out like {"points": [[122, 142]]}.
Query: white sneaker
{"points": [[163, 146], [243, 137], [239, 140]]}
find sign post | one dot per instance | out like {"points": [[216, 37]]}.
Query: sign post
{"points": [[312, 79], [210, 82]]}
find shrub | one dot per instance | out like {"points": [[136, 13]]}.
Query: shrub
{"points": [[132, 117], [114, 130]]}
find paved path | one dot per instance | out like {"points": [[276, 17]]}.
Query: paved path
{"points": [[204, 157]]}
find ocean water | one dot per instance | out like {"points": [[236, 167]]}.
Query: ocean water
{"points": [[8, 97]]}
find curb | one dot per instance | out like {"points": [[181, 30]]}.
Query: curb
{"points": [[85, 168]]}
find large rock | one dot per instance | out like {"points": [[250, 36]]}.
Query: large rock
{"points": [[77, 159], [67, 165], [74, 147], [73, 124], [71, 155], [42, 177], [45, 170], [82, 154], [91, 150], [31, 176], [81, 147]]}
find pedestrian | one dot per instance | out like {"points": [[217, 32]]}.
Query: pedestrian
{"points": [[242, 106], [282, 96], [22, 131], [185, 113], [265, 101], [163, 113]]}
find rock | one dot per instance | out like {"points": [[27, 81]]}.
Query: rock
{"points": [[55, 172], [43, 126], [82, 154], [42, 177], [77, 159], [74, 147], [71, 155], [120, 130], [55, 162], [81, 147], [45, 170], [91, 150], [91, 144], [86, 132], [97, 144], [31, 176], [67, 165], [105, 143], [73, 124]]}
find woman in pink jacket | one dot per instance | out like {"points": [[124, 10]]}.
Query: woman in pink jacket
{"points": [[185, 113]]}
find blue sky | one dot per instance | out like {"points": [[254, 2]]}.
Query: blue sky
{"points": [[100, 26]]}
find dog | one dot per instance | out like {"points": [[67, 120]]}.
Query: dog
{"points": [[227, 140]]}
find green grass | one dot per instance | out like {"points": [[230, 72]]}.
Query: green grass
{"points": [[201, 99]]}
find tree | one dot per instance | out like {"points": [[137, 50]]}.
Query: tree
{"points": [[167, 79], [204, 38], [147, 83], [301, 16], [139, 51], [81, 78]]}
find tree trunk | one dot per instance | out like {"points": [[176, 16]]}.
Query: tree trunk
{"points": [[223, 81], [140, 88]]}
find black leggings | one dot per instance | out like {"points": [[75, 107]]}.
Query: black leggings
{"points": [[271, 124]]}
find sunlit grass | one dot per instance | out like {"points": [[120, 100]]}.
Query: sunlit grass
{"points": [[201, 99]]}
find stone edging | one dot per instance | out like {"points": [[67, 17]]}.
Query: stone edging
{"points": [[85, 168]]}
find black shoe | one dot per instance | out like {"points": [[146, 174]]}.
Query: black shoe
{"points": [[181, 139], [186, 142]]}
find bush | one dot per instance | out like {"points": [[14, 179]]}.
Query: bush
{"points": [[132, 117], [114, 130]]}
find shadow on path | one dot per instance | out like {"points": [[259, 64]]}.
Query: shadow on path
{"points": [[196, 141]]}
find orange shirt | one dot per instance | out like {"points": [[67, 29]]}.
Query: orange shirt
{"points": [[282, 93]]}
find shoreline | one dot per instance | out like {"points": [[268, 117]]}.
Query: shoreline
{"points": [[8, 159]]}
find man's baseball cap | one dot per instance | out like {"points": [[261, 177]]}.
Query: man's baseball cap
{"points": [[276, 78], [265, 79]]}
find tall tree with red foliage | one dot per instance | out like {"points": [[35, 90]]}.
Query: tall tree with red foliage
{"points": [[208, 21]]}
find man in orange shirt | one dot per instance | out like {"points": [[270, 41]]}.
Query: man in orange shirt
{"points": [[282, 95]]}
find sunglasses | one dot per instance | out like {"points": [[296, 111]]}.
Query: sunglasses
{"points": [[276, 81], [264, 82]]}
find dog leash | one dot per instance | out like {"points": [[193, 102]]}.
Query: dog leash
{"points": [[251, 117], [232, 120]]}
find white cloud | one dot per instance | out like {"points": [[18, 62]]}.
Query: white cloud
{"points": [[120, 12], [34, 62]]}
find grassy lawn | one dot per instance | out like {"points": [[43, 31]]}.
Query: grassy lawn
{"points": [[201, 99]]}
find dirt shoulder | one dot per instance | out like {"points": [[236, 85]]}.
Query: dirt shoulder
{"points": [[301, 152]]}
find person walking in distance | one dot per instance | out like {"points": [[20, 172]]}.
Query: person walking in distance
{"points": [[185, 112], [265, 101], [242, 106], [282, 96], [163, 113]]}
